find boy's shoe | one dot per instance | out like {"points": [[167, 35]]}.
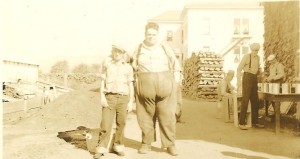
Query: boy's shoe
{"points": [[243, 127], [98, 155], [100, 152], [119, 150], [172, 150], [144, 149], [119, 153]]}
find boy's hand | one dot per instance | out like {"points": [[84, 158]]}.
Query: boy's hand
{"points": [[129, 107], [104, 104]]}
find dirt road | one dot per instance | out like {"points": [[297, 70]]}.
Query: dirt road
{"points": [[201, 136]]}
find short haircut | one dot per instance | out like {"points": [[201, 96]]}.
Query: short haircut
{"points": [[152, 25]]}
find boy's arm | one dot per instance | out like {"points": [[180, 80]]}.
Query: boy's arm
{"points": [[130, 89], [135, 56], [131, 92], [223, 87], [239, 70], [103, 101]]}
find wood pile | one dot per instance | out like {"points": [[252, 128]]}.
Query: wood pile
{"points": [[11, 91], [202, 73]]}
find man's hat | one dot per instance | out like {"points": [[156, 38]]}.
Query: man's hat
{"points": [[116, 48], [271, 57], [255, 46]]}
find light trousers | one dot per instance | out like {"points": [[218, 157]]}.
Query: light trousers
{"points": [[156, 100], [118, 110]]}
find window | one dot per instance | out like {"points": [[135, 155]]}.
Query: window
{"points": [[237, 59], [237, 50], [245, 26], [170, 35], [245, 50], [241, 26], [236, 26]]}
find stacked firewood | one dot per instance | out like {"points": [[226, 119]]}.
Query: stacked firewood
{"points": [[202, 73], [11, 90]]}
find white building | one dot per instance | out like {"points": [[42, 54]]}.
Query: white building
{"points": [[13, 70], [226, 28], [170, 28]]}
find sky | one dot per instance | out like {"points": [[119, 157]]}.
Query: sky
{"points": [[43, 32], [80, 31]]}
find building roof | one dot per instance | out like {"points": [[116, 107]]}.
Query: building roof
{"points": [[177, 15], [235, 4], [21, 63], [168, 16], [225, 4], [20, 59]]}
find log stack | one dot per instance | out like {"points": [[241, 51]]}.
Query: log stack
{"points": [[202, 73]]}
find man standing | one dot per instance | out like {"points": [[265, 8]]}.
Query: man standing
{"points": [[155, 66], [117, 96], [276, 73], [250, 65]]}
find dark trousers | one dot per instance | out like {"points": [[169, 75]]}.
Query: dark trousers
{"points": [[249, 88], [118, 109], [156, 99]]}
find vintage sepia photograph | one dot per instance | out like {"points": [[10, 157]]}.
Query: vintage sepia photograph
{"points": [[150, 79]]}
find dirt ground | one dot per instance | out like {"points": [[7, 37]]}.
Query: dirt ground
{"points": [[201, 136]]}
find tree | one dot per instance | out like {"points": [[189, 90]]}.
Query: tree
{"points": [[95, 68], [40, 72], [81, 68], [281, 36], [60, 67]]}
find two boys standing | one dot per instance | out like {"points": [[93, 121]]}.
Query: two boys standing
{"points": [[157, 77]]}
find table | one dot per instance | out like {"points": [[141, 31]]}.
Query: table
{"points": [[277, 98]]}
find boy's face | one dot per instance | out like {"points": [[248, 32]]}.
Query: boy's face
{"points": [[117, 55], [151, 36]]}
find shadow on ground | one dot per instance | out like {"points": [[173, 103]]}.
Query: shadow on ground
{"points": [[95, 89], [81, 138], [200, 123], [240, 155]]}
